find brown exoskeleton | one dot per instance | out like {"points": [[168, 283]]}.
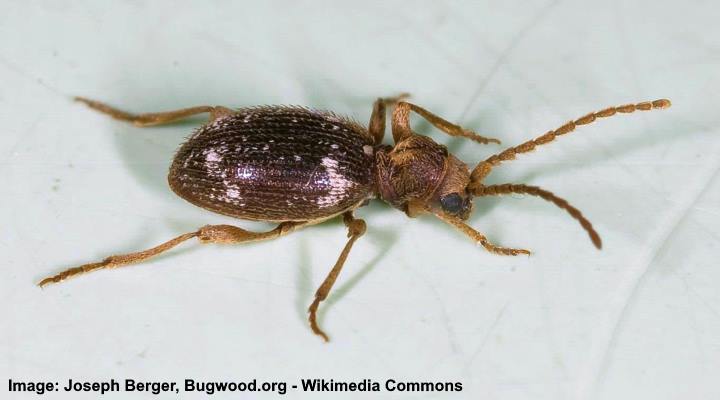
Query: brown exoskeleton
{"points": [[299, 167]]}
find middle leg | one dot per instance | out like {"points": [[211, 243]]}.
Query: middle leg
{"points": [[356, 228], [376, 127]]}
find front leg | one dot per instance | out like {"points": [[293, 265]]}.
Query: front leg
{"points": [[476, 236], [401, 124]]}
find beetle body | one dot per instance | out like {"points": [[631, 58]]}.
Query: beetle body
{"points": [[297, 167], [276, 163]]}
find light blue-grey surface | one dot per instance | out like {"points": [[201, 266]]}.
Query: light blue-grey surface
{"points": [[417, 301]]}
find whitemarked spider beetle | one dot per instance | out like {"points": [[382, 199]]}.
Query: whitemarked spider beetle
{"points": [[298, 167]]}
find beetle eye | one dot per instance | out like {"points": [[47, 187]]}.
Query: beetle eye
{"points": [[452, 203]]}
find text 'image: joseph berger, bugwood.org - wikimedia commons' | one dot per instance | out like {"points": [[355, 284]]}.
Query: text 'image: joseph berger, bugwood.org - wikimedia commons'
{"points": [[253, 385]]}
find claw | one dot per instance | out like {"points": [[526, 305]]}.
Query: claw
{"points": [[313, 320]]}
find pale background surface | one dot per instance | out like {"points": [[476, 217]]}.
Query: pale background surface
{"points": [[417, 301]]}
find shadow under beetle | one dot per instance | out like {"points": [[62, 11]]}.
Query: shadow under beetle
{"points": [[298, 167]]}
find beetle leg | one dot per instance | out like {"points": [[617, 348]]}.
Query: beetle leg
{"points": [[478, 237], [151, 119], [356, 228], [401, 124], [484, 167], [206, 234], [376, 127]]}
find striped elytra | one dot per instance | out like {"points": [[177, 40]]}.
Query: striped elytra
{"points": [[276, 163]]}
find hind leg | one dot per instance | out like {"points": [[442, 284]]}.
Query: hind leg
{"points": [[151, 119], [207, 234]]}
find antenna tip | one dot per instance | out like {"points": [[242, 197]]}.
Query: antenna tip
{"points": [[662, 103]]}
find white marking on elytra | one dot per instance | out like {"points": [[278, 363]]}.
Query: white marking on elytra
{"points": [[233, 194], [297, 158], [334, 146], [367, 149], [312, 175], [266, 147], [244, 172], [329, 163], [339, 184], [213, 156]]}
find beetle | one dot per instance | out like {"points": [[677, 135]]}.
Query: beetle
{"points": [[297, 166]]}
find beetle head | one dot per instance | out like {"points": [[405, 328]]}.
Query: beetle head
{"points": [[419, 174], [451, 195]]}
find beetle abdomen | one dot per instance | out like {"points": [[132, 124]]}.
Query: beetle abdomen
{"points": [[276, 163]]}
